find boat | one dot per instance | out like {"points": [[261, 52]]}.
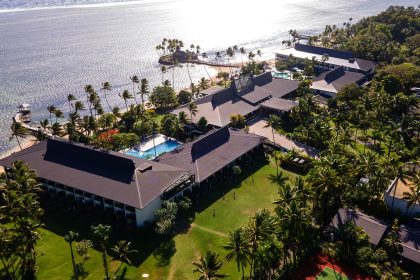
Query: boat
{"points": [[25, 113]]}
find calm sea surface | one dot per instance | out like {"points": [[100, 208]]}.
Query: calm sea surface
{"points": [[50, 48]]}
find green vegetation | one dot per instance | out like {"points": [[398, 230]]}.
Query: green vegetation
{"points": [[329, 274]]}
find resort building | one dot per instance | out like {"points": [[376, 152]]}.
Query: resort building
{"points": [[373, 227], [334, 58], [214, 153], [245, 96], [330, 83], [130, 187]]}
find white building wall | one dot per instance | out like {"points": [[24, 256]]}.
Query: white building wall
{"points": [[400, 205], [148, 212]]}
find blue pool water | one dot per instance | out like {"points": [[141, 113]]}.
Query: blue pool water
{"points": [[280, 75], [167, 146]]}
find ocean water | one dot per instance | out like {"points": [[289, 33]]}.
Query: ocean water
{"points": [[50, 48]]}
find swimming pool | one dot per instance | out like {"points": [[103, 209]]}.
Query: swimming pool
{"points": [[280, 75], [167, 146]]}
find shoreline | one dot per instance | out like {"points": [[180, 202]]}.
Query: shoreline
{"points": [[30, 140]]}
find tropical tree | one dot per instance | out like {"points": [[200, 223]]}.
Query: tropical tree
{"points": [[204, 84], [413, 195], [70, 98], [238, 248], [126, 95], [70, 237], [192, 108], [163, 69], [122, 251], [135, 80], [155, 126], [144, 89], [209, 267], [101, 233], [204, 55], [274, 122], [106, 86], [224, 76], [18, 130], [51, 109]]}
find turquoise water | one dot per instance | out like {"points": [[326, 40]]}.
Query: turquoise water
{"points": [[280, 75], [167, 146]]}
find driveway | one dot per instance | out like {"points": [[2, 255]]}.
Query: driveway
{"points": [[257, 127]]}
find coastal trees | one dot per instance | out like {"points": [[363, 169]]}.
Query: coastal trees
{"points": [[274, 122], [106, 86], [237, 121], [163, 97], [192, 108], [122, 252], [202, 124], [135, 80], [126, 95]]}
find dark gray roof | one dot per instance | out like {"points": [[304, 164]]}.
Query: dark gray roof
{"points": [[279, 104], [219, 106], [112, 175], [410, 240], [212, 151], [281, 87], [322, 51], [373, 227], [256, 95], [335, 80]]}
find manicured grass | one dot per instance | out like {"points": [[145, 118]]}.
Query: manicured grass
{"points": [[330, 274], [165, 259]]}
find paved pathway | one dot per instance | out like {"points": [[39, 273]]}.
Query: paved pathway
{"points": [[258, 127]]}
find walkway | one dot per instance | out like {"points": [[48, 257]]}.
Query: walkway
{"points": [[257, 126]]}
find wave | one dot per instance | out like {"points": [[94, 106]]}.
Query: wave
{"points": [[28, 5]]}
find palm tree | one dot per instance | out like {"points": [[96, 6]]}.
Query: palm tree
{"points": [[122, 251], [126, 95], [209, 267], [163, 69], [413, 196], [101, 232], [18, 130], [154, 126], [204, 55], [287, 193], [238, 248], [51, 109], [58, 115], [183, 118], [176, 127], [70, 98], [400, 172], [324, 58], [106, 86], [259, 54], [274, 122], [192, 108], [135, 80], [144, 90], [224, 76], [70, 237], [79, 106], [242, 51], [204, 84]]}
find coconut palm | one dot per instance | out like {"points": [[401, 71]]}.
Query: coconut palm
{"points": [[163, 69], [204, 83], [154, 127], [192, 108], [122, 252], [135, 80], [238, 248], [204, 55], [242, 51], [58, 115], [106, 86], [413, 196], [259, 54], [51, 109], [70, 237], [144, 89], [324, 58], [287, 193], [101, 232], [209, 267], [176, 127], [79, 106], [70, 98], [18, 130], [274, 122], [183, 118], [126, 95]]}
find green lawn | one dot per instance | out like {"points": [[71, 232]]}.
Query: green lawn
{"points": [[330, 274], [164, 259]]}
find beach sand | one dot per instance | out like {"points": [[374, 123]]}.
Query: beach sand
{"points": [[26, 142]]}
